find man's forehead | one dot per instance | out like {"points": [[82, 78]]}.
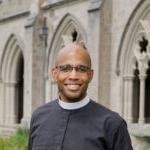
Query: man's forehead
{"points": [[72, 50]]}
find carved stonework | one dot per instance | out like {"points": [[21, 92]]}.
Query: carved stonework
{"points": [[142, 47], [71, 37]]}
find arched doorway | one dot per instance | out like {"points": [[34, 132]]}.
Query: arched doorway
{"points": [[12, 72]]}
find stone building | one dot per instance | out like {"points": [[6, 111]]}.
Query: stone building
{"points": [[117, 35]]}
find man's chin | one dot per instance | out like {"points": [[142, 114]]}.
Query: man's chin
{"points": [[74, 98]]}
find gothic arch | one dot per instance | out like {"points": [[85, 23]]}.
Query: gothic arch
{"points": [[12, 69], [128, 35], [65, 28], [133, 55], [13, 42]]}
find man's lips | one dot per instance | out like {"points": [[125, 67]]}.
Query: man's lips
{"points": [[73, 86]]}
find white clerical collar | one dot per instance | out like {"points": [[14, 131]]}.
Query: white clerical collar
{"points": [[75, 105]]}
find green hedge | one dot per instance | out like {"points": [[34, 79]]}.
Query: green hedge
{"points": [[18, 141], [143, 138]]}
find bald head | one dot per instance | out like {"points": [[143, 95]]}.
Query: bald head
{"points": [[72, 51], [73, 72]]}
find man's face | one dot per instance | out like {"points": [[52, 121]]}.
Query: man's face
{"points": [[73, 74]]}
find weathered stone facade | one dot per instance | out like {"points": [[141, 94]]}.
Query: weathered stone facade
{"points": [[117, 34]]}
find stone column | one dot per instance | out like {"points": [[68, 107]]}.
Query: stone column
{"points": [[1, 103], [27, 91], [130, 98], [142, 99], [129, 101], [125, 86], [33, 72], [142, 68], [94, 37], [10, 106]]}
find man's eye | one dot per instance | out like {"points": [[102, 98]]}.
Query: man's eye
{"points": [[83, 68], [65, 68]]}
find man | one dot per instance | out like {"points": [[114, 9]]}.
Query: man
{"points": [[73, 121]]}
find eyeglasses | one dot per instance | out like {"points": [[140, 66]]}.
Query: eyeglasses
{"points": [[68, 68]]}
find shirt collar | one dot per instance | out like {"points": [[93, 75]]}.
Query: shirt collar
{"points": [[75, 105]]}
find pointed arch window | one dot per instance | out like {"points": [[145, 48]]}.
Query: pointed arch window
{"points": [[140, 83]]}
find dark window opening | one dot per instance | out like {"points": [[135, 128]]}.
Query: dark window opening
{"points": [[74, 35], [136, 91], [19, 102], [143, 44], [147, 95]]}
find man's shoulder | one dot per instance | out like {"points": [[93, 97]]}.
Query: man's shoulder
{"points": [[107, 115], [45, 108], [101, 108], [48, 104]]}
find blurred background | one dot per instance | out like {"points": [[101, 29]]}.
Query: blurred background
{"points": [[116, 34]]}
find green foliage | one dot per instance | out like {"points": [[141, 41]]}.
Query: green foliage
{"points": [[18, 141], [143, 137]]}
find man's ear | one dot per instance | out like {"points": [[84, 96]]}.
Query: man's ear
{"points": [[54, 74], [91, 75]]}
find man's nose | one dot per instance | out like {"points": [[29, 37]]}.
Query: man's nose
{"points": [[74, 74]]}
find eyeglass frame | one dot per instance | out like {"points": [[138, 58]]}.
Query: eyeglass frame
{"points": [[76, 67]]}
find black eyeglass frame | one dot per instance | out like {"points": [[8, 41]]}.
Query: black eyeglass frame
{"points": [[67, 68]]}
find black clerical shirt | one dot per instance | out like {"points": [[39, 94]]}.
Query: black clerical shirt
{"points": [[92, 127]]}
